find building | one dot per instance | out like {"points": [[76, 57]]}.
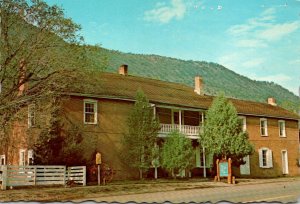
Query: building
{"points": [[101, 112]]}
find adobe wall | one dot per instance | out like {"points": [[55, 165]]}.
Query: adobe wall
{"points": [[20, 137], [105, 136], [276, 143]]}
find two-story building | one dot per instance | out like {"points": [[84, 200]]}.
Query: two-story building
{"points": [[102, 112]]}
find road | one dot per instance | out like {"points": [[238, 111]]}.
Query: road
{"points": [[286, 191]]}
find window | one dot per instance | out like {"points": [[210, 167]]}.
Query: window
{"points": [[90, 112], [281, 124], [31, 116], [30, 157], [243, 123], [265, 158], [2, 159], [263, 127], [22, 157]]}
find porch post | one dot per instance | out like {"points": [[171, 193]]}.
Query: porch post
{"points": [[204, 163], [154, 110], [202, 118], [179, 120]]}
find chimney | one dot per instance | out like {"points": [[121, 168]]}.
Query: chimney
{"points": [[22, 76], [199, 88], [123, 69], [272, 101]]}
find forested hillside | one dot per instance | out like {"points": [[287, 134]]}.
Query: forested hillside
{"points": [[216, 77]]}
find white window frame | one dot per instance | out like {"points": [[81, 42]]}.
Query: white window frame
{"points": [[29, 156], [31, 116], [269, 157], [2, 157], [244, 123], [22, 160], [266, 127], [90, 101], [284, 129]]}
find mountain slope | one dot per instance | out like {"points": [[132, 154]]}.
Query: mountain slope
{"points": [[216, 77]]}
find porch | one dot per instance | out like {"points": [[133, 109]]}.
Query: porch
{"points": [[187, 121], [189, 131]]}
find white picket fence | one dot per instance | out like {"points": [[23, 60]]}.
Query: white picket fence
{"points": [[41, 175]]}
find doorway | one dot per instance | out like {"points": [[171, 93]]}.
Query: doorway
{"points": [[285, 165]]}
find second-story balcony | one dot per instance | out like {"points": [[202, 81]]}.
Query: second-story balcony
{"points": [[188, 130]]}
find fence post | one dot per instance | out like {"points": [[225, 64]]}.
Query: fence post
{"points": [[65, 174], [34, 175], [84, 176], [4, 178]]}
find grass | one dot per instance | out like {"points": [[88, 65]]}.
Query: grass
{"points": [[60, 193]]}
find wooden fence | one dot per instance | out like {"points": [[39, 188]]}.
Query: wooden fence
{"points": [[41, 175]]}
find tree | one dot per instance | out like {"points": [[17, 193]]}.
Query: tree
{"points": [[41, 55], [59, 142], [223, 135], [140, 139], [177, 153]]}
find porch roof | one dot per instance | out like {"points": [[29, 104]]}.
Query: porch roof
{"points": [[122, 87]]}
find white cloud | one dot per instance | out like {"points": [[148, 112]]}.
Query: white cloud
{"points": [[268, 13], [277, 78], [230, 61], [253, 63], [251, 43], [282, 79], [253, 23], [278, 31], [258, 32], [296, 62], [164, 14]]}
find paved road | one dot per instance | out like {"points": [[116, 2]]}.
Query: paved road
{"points": [[286, 191]]}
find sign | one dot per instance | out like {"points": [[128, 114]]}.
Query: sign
{"points": [[223, 169], [98, 158]]}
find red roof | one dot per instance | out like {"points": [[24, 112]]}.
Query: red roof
{"points": [[162, 92]]}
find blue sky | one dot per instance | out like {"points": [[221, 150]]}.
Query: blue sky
{"points": [[259, 39]]}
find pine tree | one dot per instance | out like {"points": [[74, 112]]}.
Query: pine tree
{"points": [[223, 135], [177, 153], [140, 139]]}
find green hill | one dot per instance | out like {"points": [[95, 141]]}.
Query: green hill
{"points": [[216, 77]]}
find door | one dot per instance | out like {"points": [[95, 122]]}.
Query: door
{"points": [[245, 168], [175, 117], [285, 165]]}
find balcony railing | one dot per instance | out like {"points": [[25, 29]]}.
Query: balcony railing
{"points": [[188, 130]]}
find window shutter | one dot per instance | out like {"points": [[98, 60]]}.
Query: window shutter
{"points": [[260, 157], [269, 158], [266, 127]]}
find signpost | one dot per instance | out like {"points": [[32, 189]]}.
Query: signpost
{"points": [[98, 162], [224, 170]]}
